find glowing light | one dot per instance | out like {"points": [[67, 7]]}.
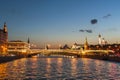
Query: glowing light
{"points": [[24, 51]]}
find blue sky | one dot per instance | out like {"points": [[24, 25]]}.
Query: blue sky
{"points": [[59, 21]]}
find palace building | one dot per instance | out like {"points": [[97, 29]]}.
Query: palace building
{"points": [[3, 39], [18, 46]]}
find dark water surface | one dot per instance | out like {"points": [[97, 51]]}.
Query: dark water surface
{"points": [[59, 69]]}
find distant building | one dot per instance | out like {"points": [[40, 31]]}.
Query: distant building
{"points": [[46, 47], [99, 40], [76, 46], [29, 43], [86, 44], [60, 46], [65, 47], [3, 39], [18, 47]]}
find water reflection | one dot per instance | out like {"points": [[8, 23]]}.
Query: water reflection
{"points": [[48, 68], [73, 67], [59, 68], [3, 71]]}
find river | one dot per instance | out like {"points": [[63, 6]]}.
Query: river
{"points": [[55, 68]]}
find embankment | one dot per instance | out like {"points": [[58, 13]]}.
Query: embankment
{"points": [[4, 59], [102, 57]]}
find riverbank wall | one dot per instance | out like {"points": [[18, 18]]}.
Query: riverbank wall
{"points": [[4, 59], [102, 57]]}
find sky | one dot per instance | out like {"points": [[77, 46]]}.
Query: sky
{"points": [[58, 22]]}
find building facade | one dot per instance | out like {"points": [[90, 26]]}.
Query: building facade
{"points": [[3, 39], [16, 47], [101, 41], [76, 46]]}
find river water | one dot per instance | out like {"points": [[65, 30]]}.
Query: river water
{"points": [[52, 68]]}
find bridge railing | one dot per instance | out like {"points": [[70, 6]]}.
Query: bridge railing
{"points": [[71, 51]]}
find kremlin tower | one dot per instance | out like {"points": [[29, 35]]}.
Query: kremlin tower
{"points": [[86, 44]]}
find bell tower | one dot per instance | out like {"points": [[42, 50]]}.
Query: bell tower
{"points": [[99, 39]]}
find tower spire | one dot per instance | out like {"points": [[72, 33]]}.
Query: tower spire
{"points": [[86, 44], [28, 43], [28, 40], [5, 27]]}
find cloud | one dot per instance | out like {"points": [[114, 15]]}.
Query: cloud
{"points": [[89, 31], [86, 30], [106, 16], [81, 30], [94, 21]]}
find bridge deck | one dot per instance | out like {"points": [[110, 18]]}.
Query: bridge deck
{"points": [[43, 51]]}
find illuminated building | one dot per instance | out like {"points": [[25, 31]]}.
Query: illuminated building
{"points": [[18, 47], [103, 41], [86, 44], [76, 46], [99, 40], [3, 39], [65, 47]]}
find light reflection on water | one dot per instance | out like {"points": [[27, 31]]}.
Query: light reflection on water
{"points": [[59, 68]]}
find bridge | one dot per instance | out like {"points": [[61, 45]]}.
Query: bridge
{"points": [[93, 54], [69, 52]]}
